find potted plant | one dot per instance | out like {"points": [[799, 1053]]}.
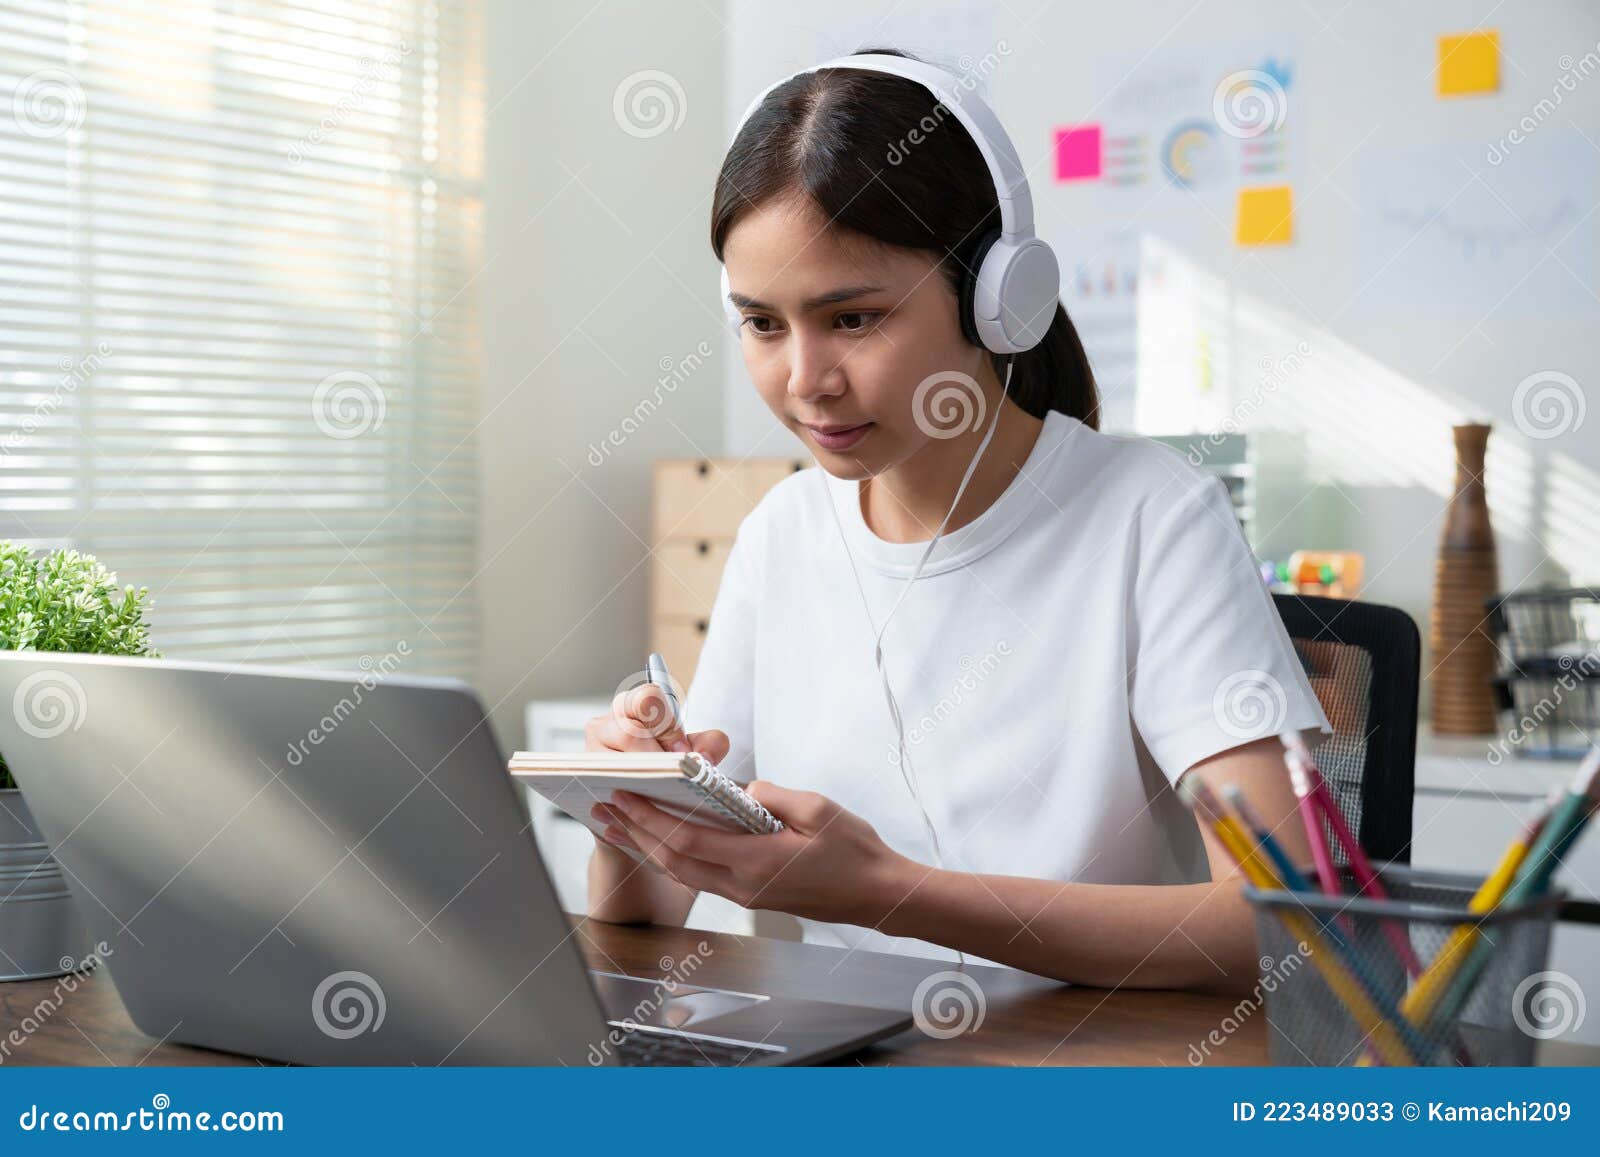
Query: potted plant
{"points": [[62, 601]]}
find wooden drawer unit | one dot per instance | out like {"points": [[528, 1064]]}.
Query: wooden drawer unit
{"points": [[687, 571], [698, 505], [708, 497], [679, 641]]}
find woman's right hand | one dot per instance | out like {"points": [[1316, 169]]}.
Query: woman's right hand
{"points": [[640, 719]]}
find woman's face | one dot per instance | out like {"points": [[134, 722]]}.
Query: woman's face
{"points": [[839, 332]]}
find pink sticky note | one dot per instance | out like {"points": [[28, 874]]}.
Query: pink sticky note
{"points": [[1078, 153]]}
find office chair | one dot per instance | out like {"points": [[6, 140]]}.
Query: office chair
{"points": [[1364, 663]]}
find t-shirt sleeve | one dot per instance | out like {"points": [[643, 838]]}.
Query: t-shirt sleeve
{"points": [[1212, 663], [721, 693]]}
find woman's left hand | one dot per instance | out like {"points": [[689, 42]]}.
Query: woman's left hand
{"points": [[827, 864]]}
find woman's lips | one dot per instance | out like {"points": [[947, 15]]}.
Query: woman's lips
{"points": [[840, 439]]}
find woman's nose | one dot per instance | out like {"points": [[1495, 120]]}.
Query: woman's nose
{"points": [[814, 371]]}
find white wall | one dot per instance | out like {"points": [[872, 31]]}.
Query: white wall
{"points": [[598, 269]]}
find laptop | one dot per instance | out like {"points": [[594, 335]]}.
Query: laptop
{"points": [[335, 868]]}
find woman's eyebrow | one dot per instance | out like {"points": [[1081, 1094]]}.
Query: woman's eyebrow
{"points": [[832, 297]]}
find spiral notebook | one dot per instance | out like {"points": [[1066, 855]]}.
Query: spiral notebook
{"points": [[683, 783]]}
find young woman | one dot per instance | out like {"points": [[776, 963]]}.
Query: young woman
{"points": [[1089, 628]]}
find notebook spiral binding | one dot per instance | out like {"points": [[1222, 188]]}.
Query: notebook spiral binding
{"points": [[727, 796]]}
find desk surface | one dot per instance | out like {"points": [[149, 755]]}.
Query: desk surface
{"points": [[1027, 1020]]}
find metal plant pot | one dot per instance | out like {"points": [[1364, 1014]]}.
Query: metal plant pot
{"points": [[40, 932]]}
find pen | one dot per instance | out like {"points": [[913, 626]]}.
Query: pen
{"points": [[655, 669]]}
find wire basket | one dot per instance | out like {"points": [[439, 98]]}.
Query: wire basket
{"points": [[1553, 714], [1549, 680], [1311, 1023], [1547, 622]]}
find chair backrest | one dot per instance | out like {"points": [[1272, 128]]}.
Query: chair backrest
{"points": [[1364, 662]]}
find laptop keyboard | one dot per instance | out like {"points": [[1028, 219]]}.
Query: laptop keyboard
{"points": [[639, 1048]]}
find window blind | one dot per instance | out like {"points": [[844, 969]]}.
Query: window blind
{"points": [[238, 338]]}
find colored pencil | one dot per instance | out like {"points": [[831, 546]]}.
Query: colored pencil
{"points": [[1344, 986], [1307, 780], [1532, 878], [1423, 999], [1335, 926]]}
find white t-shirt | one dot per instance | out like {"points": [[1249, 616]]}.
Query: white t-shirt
{"points": [[1060, 662]]}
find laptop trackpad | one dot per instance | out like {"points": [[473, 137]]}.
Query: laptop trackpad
{"points": [[649, 1002]]}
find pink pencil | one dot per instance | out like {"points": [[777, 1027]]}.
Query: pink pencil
{"points": [[1312, 791], [1305, 796]]}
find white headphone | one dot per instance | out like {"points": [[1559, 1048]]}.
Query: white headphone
{"points": [[1011, 291]]}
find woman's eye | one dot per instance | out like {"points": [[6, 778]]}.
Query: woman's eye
{"points": [[856, 321], [755, 322]]}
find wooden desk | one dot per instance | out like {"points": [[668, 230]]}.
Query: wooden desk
{"points": [[1027, 1020]]}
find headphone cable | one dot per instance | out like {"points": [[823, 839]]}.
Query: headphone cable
{"points": [[902, 756]]}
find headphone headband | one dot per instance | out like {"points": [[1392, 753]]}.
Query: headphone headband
{"points": [[1005, 169], [1010, 293]]}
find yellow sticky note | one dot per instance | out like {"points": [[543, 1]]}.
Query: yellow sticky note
{"points": [[1265, 216], [1469, 63]]}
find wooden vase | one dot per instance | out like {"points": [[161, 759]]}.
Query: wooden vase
{"points": [[1466, 575]]}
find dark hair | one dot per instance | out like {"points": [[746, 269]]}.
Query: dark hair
{"points": [[882, 157]]}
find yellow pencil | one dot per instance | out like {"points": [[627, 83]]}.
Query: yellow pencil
{"points": [[1366, 1015], [1420, 1002]]}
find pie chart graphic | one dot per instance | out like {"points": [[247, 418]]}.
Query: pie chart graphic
{"points": [[1189, 153]]}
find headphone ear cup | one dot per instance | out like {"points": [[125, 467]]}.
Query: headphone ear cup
{"points": [[966, 309], [1017, 294]]}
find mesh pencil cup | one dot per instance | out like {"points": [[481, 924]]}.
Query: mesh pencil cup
{"points": [[1334, 985]]}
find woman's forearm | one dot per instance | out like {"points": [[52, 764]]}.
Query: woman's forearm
{"points": [[624, 891], [1189, 936]]}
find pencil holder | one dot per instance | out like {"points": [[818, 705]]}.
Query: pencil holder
{"points": [[1337, 991]]}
